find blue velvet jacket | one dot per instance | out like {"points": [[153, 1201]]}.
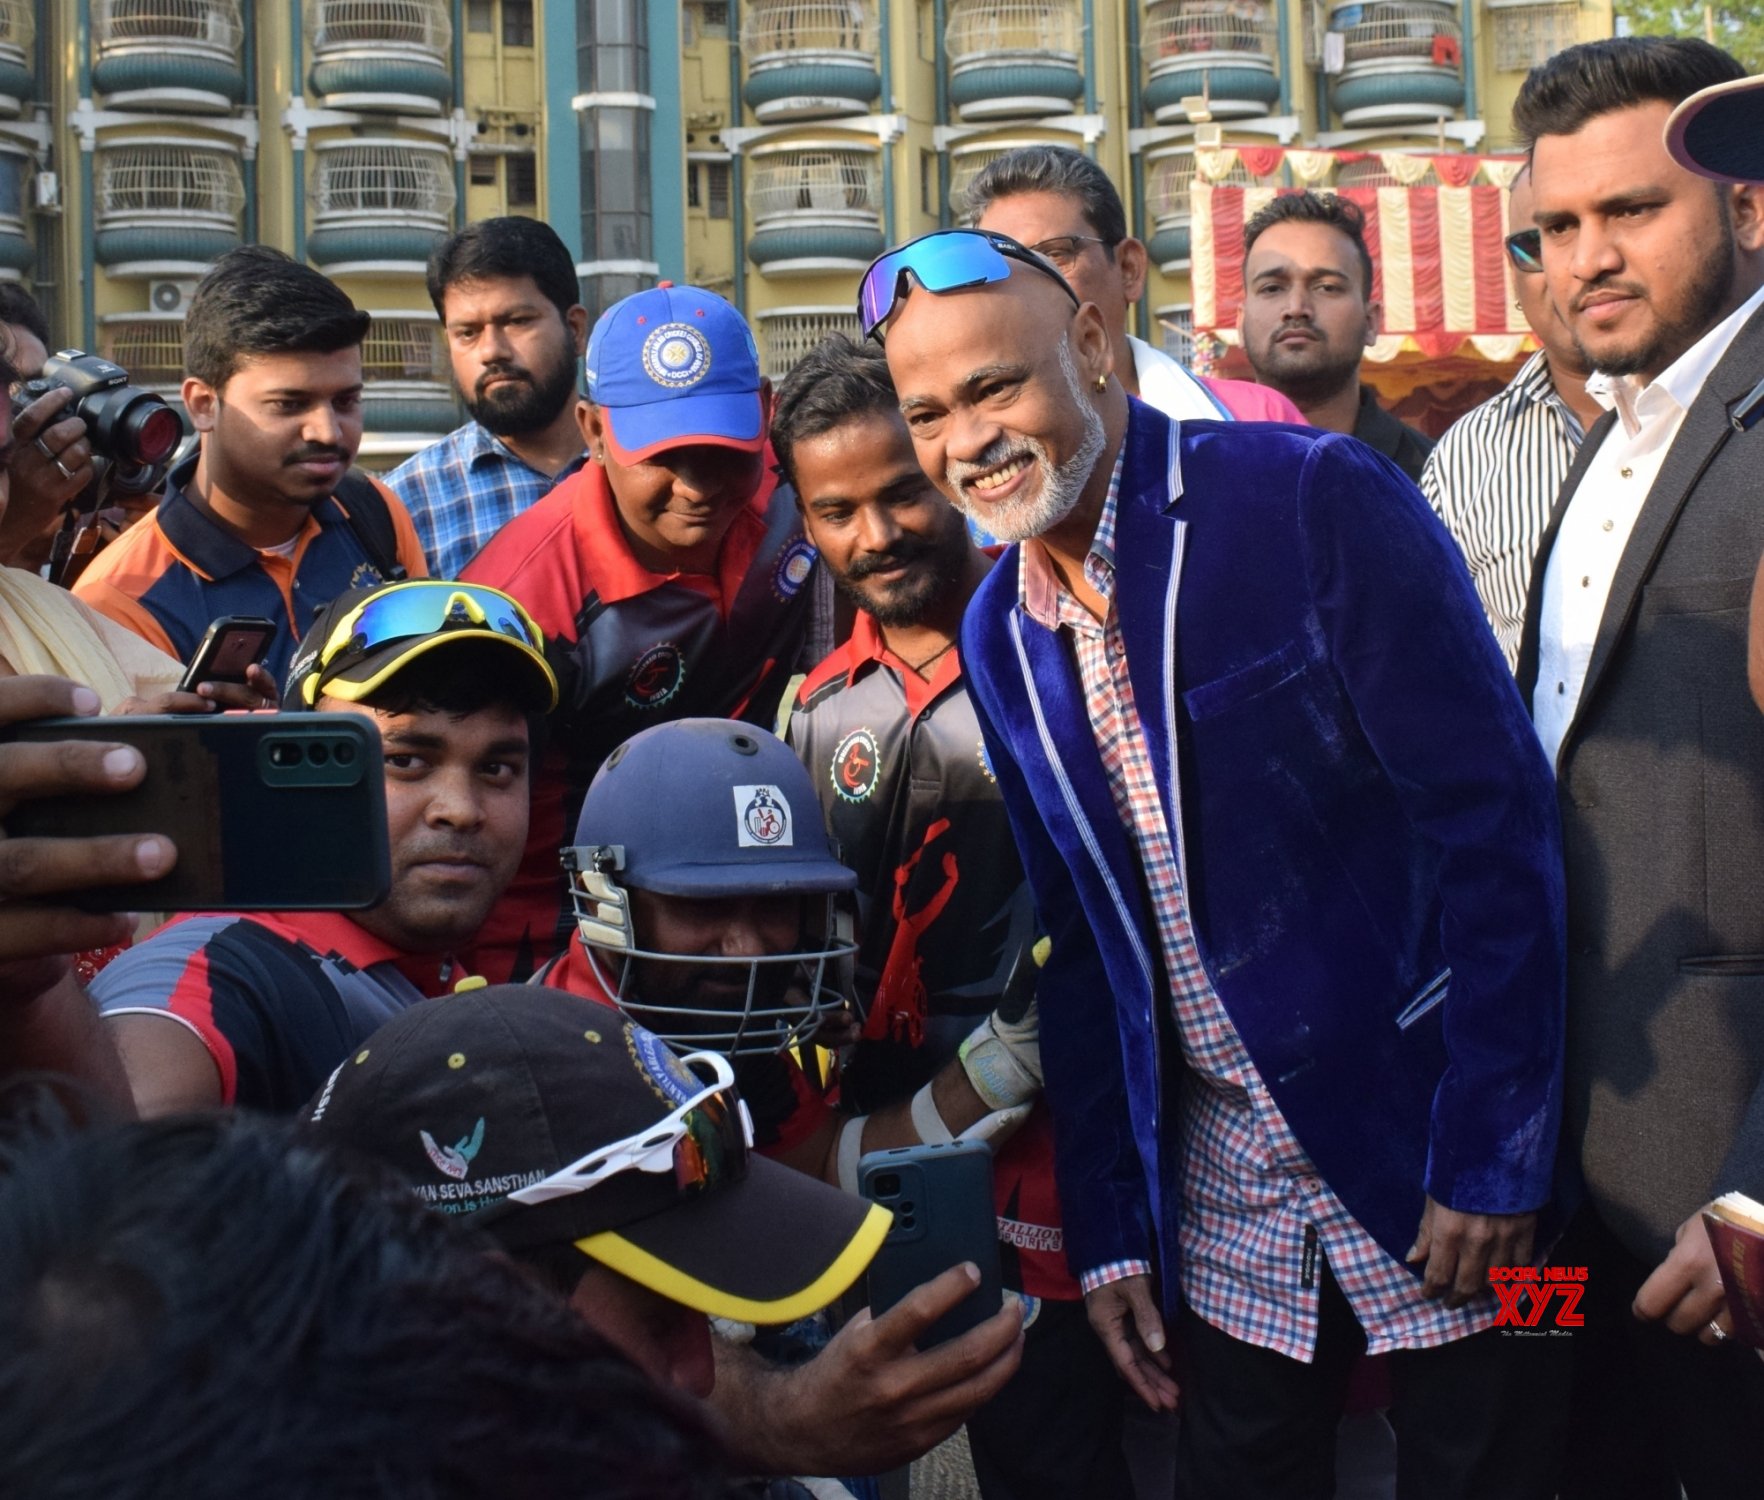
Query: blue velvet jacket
{"points": [[1365, 823]]}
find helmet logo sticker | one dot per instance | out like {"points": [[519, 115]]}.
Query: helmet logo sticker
{"points": [[656, 676], [762, 818], [454, 1161], [794, 567], [857, 766], [676, 355]]}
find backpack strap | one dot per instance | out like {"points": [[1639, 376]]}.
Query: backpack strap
{"points": [[370, 518]]}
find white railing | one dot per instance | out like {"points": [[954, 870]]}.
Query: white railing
{"points": [[404, 349], [980, 29], [1410, 31], [788, 336], [369, 180], [163, 181], [820, 184], [18, 28], [359, 26], [841, 27], [1169, 178], [211, 28], [150, 349], [1526, 35], [964, 169], [1193, 29]]}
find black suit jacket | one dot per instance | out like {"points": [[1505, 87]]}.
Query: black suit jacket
{"points": [[1660, 779]]}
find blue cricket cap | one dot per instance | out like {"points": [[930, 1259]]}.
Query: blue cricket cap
{"points": [[675, 365]]}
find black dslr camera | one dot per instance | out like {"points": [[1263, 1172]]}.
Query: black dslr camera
{"points": [[133, 434]]}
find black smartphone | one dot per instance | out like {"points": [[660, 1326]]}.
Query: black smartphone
{"points": [[941, 1198], [232, 643], [269, 812]]}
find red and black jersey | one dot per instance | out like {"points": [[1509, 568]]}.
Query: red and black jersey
{"points": [[631, 649], [944, 910]]}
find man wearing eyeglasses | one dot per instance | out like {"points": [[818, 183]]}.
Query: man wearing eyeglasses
{"points": [[255, 1009], [1494, 475], [1061, 204], [1280, 808]]}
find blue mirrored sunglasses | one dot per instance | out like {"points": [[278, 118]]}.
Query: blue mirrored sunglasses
{"points": [[1525, 249], [422, 608], [948, 260]]}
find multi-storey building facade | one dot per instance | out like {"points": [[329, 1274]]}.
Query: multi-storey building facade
{"points": [[766, 148]]}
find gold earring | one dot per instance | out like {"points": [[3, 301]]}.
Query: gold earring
{"points": [[1102, 382]]}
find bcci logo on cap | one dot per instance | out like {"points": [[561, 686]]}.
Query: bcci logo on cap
{"points": [[676, 355], [762, 818]]}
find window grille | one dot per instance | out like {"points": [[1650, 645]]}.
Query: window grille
{"points": [[815, 181], [371, 179], [168, 181], [422, 24], [771, 26], [211, 26], [1526, 35], [150, 349], [404, 349], [980, 28], [787, 337]]}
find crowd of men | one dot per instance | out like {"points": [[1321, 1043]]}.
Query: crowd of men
{"points": [[1328, 868]]}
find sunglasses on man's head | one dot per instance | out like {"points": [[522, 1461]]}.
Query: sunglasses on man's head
{"points": [[947, 260], [1525, 249]]}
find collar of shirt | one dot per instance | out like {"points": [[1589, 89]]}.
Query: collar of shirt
{"points": [[1536, 385], [336, 932], [205, 544], [477, 444], [621, 576], [1038, 586], [867, 646], [1680, 383]]}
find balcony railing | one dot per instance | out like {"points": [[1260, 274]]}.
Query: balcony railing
{"points": [[166, 183], [150, 348], [18, 35], [1013, 58], [381, 54], [1169, 204], [15, 242], [405, 375], [376, 182], [824, 185], [810, 58], [1403, 62], [176, 54], [964, 167], [790, 333], [1224, 49]]}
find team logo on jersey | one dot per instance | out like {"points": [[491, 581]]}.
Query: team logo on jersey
{"points": [[857, 766], [762, 818], [666, 1073], [655, 676], [794, 568], [365, 576], [676, 355], [985, 761], [456, 1160]]}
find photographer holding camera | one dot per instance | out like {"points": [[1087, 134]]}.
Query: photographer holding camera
{"points": [[51, 465]]}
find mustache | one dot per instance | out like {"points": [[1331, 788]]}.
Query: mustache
{"points": [[501, 372], [903, 555], [428, 850], [1600, 286], [999, 452], [314, 452]]}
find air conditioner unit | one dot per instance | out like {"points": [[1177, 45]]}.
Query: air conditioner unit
{"points": [[170, 296]]}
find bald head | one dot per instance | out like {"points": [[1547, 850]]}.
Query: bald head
{"points": [[1007, 393]]}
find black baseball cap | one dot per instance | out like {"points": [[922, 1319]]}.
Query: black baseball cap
{"points": [[1719, 131], [364, 637], [477, 1096]]}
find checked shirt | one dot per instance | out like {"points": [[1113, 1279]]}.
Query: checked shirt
{"points": [[1251, 1198]]}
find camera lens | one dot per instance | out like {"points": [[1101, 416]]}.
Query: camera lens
{"points": [[152, 432], [286, 753], [317, 754], [344, 753], [885, 1185]]}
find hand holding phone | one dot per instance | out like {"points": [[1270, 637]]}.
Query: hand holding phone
{"points": [[42, 876]]}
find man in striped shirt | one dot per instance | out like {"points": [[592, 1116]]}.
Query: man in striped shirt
{"points": [[1494, 475]]}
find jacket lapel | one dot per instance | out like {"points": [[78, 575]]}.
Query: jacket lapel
{"points": [[1706, 428]]}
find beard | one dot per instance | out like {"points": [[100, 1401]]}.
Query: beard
{"points": [[1702, 297], [1058, 488], [1307, 372], [529, 402], [941, 565]]}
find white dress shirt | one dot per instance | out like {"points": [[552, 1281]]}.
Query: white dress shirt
{"points": [[1596, 527], [1174, 391]]}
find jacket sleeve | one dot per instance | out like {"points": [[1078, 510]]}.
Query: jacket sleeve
{"points": [[1432, 693], [1102, 1183]]}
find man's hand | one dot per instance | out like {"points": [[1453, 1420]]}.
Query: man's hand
{"points": [[35, 928], [870, 1401], [1685, 1292], [1458, 1249], [51, 464], [258, 691], [1125, 1316]]}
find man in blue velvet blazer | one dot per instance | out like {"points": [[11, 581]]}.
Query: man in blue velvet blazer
{"points": [[1258, 645]]}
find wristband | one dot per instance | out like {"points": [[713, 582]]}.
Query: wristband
{"points": [[926, 1120]]}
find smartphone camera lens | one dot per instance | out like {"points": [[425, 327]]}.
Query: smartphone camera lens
{"points": [[286, 753], [343, 753], [885, 1185], [318, 754]]}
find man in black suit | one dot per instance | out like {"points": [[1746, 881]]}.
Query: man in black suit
{"points": [[1635, 662]]}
